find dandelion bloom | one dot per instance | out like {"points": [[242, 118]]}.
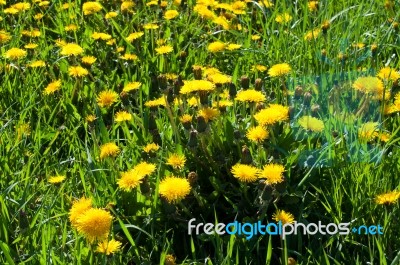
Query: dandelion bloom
{"points": [[90, 118], [109, 149], [31, 46], [216, 46], [123, 115], [134, 36], [313, 6], [388, 73], [283, 217], [171, 14], [94, 224], [266, 3], [176, 161], [107, 98], [169, 260], [219, 78], [311, 123], [368, 131], [250, 95], [273, 114], [129, 57], [77, 71], [108, 247], [52, 87], [152, 147], [78, 208], [71, 27], [71, 49], [130, 179], [387, 198], [89, 60], [126, 6], [259, 67], [185, 118], [156, 102], [370, 85], [111, 14], [208, 113], [22, 6], [281, 69], [91, 8], [283, 18], [245, 173], [101, 36], [312, 34], [56, 179], [131, 86], [15, 53], [150, 26], [4, 37], [145, 168], [273, 173], [36, 64], [164, 49], [196, 85], [257, 134], [174, 189]]}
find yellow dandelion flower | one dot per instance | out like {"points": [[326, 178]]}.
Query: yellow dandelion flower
{"points": [[368, 131], [71, 49], [111, 14], [283, 217], [185, 118], [250, 95], [109, 149], [281, 69], [131, 86], [273, 173], [4, 37], [107, 98], [94, 224], [156, 102], [208, 113], [152, 147], [216, 46], [218, 78], [36, 64], [388, 73], [134, 36], [196, 85], [11, 11], [31, 46], [90, 118], [266, 3], [31, 33], [271, 115], [52, 87], [204, 12], [283, 18], [15, 54], [222, 104], [245, 173], [223, 22], [129, 57], [152, 3], [23, 129], [255, 37], [22, 6], [56, 179], [71, 27], [174, 189], [387, 198], [311, 123], [130, 180], [259, 68], [171, 14], [312, 34], [91, 8], [313, 6], [108, 247], [164, 49], [150, 26], [122, 116], [89, 60], [370, 85], [257, 134], [100, 36], [176, 161], [78, 208], [77, 71], [126, 6]]}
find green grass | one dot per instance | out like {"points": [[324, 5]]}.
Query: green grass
{"points": [[330, 176]]}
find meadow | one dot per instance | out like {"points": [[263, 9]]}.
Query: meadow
{"points": [[120, 121]]}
